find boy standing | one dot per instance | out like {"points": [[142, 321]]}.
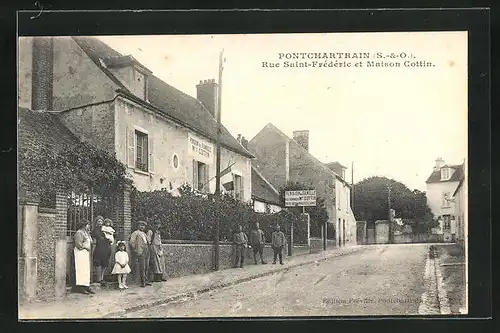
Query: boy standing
{"points": [[240, 241], [139, 242], [257, 240], [278, 242]]}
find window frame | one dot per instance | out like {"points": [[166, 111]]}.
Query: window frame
{"points": [[141, 165], [238, 192], [445, 172]]}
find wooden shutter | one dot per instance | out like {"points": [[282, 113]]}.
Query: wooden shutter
{"points": [[151, 151], [131, 147], [195, 174], [242, 198]]}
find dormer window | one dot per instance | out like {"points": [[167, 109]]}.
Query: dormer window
{"points": [[131, 73], [445, 173]]}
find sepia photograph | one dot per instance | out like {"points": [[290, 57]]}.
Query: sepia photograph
{"points": [[243, 175]]}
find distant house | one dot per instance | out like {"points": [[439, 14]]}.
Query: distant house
{"points": [[164, 136], [279, 158], [460, 200], [441, 185]]}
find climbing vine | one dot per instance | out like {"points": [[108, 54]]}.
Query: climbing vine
{"points": [[79, 168]]}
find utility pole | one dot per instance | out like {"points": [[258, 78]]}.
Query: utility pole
{"points": [[217, 166]]}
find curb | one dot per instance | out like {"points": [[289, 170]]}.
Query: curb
{"points": [[200, 291], [444, 304]]}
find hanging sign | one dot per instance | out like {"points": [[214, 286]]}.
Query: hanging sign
{"points": [[300, 198], [200, 149]]}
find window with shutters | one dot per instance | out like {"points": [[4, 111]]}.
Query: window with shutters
{"points": [[201, 176], [142, 152], [238, 187]]}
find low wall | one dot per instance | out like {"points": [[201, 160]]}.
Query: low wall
{"points": [[186, 258], [418, 238]]}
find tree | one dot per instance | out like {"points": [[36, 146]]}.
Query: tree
{"points": [[318, 213], [371, 203]]}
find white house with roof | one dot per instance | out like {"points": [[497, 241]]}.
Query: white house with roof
{"points": [[441, 185]]}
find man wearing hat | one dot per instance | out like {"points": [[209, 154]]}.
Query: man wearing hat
{"points": [[139, 243]]}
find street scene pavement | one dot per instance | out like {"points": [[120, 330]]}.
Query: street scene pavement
{"points": [[381, 280]]}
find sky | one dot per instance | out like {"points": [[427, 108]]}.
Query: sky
{"points": [[386, 121]]}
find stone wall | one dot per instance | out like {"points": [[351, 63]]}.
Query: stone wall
{"points": [[93, 123], [190, 258], [77, 79], [382, 232]]}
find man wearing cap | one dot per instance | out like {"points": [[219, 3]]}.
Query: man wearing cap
{"points": [[139, 243], [278, 243], [257, 240]]}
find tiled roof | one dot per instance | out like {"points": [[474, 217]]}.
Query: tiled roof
{"points": [[263, 190], [271, 127], [43, 131], [435, 176], [123, 61], [182, 108], [335, 165]]}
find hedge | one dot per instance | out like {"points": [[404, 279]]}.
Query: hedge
{"points": [[191, 216]]}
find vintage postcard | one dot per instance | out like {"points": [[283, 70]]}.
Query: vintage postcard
{"points": [[249, 175]]}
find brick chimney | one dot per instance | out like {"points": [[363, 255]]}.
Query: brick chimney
{"points": [[244, 142], [302, 138], [206, 93], [42, 73], [439, 163]]}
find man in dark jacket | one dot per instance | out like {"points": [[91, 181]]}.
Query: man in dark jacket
{"points": [[257, 241], [240, 241], [278, 243]]}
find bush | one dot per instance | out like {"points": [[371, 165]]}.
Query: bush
{"points": [[191, 216]]}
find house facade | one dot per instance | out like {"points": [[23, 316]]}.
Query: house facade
{"points": [[265, 197], [441, 185], [280, 159], [166, 138], [460, 199]]}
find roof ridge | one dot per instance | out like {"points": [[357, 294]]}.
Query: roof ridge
{"points": [[178, 95], [318, 162]]}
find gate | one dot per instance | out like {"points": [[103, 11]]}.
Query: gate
{"points": [[84, 206]]}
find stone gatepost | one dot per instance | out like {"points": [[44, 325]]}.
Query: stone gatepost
{"points": [[361, 232], [123, 214], [27, 263], [61, 225]]}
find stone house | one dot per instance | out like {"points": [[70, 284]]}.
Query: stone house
{"points": [[164, 136], [280, 159], [441, 185]]}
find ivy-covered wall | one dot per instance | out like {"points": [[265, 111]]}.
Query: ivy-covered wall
{"points": [[192, 217]]}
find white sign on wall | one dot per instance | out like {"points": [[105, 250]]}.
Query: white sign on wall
{"points": [[300, 198], [200, 149]]}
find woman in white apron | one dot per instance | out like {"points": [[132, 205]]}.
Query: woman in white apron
{"points": [[82, 258]]}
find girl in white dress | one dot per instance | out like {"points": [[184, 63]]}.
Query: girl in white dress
{"points": [[121, 267]]}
